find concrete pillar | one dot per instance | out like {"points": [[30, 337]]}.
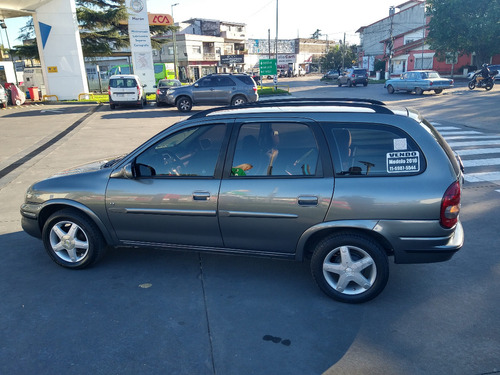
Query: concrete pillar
{"points": [[60, 49]]}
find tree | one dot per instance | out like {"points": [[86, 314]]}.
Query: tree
{"points": [[464, 26], [333, 58]]}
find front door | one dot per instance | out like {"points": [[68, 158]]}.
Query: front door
{"points": [[173, 196], [204, 91], [276, 185]]}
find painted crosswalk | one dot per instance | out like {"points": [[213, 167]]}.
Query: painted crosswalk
{"points": [[480, 152]]}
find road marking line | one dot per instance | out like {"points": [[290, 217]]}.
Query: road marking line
{"points": [[482, 177], [478, 151], [477, 143], [481, 162], [475, 137]]}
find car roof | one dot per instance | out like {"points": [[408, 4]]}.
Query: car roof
{"points": [[123, 76], [305, 105]]}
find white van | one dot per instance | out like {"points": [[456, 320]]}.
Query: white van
{"points": [[126, 89]]}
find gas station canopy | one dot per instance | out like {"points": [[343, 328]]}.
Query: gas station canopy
{"points": [[19, 8]]}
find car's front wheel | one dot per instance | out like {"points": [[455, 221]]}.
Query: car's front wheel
{"points": [[390, 89], [238, 100], [72, 240], [350, 267], [184, 104]]}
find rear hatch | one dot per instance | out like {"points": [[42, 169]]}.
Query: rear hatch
{"points": [[123, 89]]}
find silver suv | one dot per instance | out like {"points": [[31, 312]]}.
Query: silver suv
{"points": [[346, 184], [233, 89]]}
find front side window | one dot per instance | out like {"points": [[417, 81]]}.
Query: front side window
{"points": [[364, 150], [187, 153], [276, 149]]}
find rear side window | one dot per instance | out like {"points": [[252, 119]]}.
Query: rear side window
{"points": [[122, 83], [276, 149], [381, 150], [246, 80]]}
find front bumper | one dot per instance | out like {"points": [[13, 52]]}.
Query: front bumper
{"points": [[29, 219]]}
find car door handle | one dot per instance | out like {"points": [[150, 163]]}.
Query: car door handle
{"points": [[308, 200], [201, 196]]}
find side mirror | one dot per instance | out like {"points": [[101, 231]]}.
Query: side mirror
{"points": [[124, 172], [196, 85], [144, 85], [155, 87]]}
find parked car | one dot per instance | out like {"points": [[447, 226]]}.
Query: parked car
{"points": [[353, 77], [331, 74], [347, 184], [126, 89], [3, 97], [213, 89], [162, 88], [419, 81]]}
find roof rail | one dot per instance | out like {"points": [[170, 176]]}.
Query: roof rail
{"points": [[375, 105]]}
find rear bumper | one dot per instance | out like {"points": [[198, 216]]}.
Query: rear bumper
{"points": [[429, 250]]}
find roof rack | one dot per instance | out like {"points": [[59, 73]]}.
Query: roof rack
{"points": [[375, 105]]}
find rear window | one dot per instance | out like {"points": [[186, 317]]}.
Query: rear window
{"points": [[365, 150], [359, 71], [122, 83], [246, 80]]}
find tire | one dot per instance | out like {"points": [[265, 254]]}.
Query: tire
{"points": [[489, 86], [438, 91], [365, 84], [339, 83], [4, 105], [390, 89], [111, 106], [471, 85], [349, 83], [72, 240], [184, 104], [419, 91], [238, 100], [350, 268]]}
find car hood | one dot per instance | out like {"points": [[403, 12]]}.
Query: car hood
{"points": [[90, 167]]}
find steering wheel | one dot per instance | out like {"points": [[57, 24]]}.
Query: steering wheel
{"points": [[172, 162]]}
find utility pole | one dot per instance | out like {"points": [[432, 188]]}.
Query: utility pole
{"points": [[343, 53], [391, 15]]}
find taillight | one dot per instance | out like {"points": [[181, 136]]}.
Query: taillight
{"points": [[255, 89], [158, 92], [353, 75], [450, 206]]}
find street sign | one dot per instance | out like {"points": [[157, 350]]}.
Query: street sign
{"points": [[267, 67]]}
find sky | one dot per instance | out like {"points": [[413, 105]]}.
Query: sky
{"points": [[296, 18]]}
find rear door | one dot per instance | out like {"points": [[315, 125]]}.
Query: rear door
{"points": [[277, 183], [124, 89]]}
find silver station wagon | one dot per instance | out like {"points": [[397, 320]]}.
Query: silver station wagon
{"points": [[346, 184]]}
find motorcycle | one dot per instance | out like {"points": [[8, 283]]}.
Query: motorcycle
{"points": [[486, 83]]}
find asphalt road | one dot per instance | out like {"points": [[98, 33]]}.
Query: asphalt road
{"points": [[167, 312]]}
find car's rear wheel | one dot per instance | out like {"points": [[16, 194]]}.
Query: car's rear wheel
{"points": [[365, 84], [419, 91], [438, 91], [349, 83], [72, 240], [184, 104], [339, 83], [350, 267], [238, 100], [390, 89], [112, 106]]}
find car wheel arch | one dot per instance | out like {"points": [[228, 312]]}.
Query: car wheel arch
{"points": [[52, 207], [312, 236]]}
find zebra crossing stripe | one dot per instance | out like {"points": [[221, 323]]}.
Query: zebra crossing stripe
{"points": [[482, 177], [465, 132], [478, 151], [477, 143], [480, 162], [475, 137]]}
